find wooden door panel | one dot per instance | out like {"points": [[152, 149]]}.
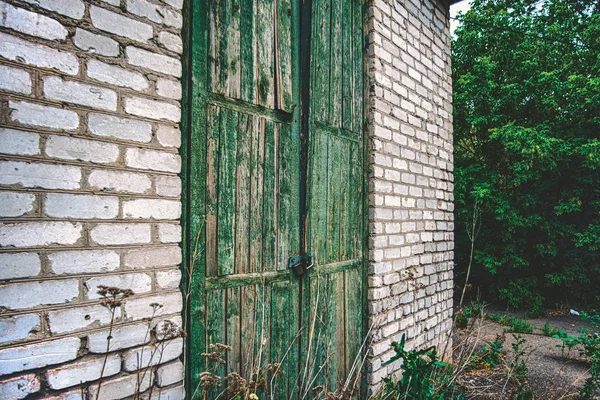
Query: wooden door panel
{"points": [[250, 52], [335, 188]]}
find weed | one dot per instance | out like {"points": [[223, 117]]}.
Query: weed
{"points": [[548, 331], [514, 324], [424, 376], [518, 369]]}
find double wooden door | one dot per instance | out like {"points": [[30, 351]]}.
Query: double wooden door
{"points": [[275, 169]]}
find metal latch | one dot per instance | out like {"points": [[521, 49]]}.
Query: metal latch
{"points": [[301, 264]]}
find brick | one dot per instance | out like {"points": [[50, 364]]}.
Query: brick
{"points": [[153, 160], [14, 80], [27, 234], [152, 355], [152, 257], [120, 128], [116, 234], [118, 181], [83, 371], [171, 41], [139, 283], [155, 13], [168, 279], [173, 393], [43, 116], [118, 76], [120, 25], [169, 374], [169, 186], [19, 265], [123, 387], [80, 93], [168, 136], [17, 296], [81, 206], [31, 23], [72, 395], [169, 233], [152, 109], [68, 148], [19, 387], [123, 337], [38, 355], [69, 8], [19, 142], [177, 4], [17, 49], [168, 88], [153, 61], [47, 176], [136, 309], [14, 204], [73, 319], [84, 261], [96, 44], [19, 327], [152, 209]]}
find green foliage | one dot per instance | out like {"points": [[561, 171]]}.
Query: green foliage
{"points": [[549, 331], [492, 354], [462, 316], [518, 369], [513, 324], [526, 78], [424, 377]]}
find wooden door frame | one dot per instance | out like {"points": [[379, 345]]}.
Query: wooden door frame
{"points": [[193, 108]]}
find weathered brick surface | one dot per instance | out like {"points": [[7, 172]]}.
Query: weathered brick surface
{"points": [[410, 177], [89, 194]]}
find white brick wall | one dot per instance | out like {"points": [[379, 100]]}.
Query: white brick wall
{"points": [[89, 193], [410, 181]]}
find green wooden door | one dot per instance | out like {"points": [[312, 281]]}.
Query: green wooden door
{"points": [[253, 200]]}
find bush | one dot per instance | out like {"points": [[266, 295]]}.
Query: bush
{"points": [[527, 148]]}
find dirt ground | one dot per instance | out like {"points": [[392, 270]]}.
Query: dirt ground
{"points": [[552, 373]]}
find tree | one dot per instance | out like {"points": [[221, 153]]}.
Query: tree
{"points": [[527, 148]]}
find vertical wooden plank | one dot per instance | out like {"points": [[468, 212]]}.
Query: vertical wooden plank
{"points": [[320, 60], [249, 310], [265, 54], [318, 361], [319, 181], [348, 65], [281, 324], [356, 202], [242, 215], [357, 67], [233, 49], [269, 233], [346, 209], [354, 316], [215, 329], [338, 336], [263, 328], [227, 192], [256, 191], [284, 54], [336, 63], [248, 50], [234, 330], [289, 213], [333, 199], [218, 46], [213, 128]]}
